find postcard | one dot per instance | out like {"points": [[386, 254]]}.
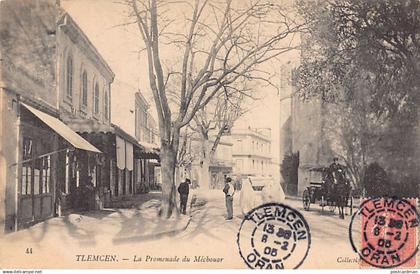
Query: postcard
{"points": [[209, 134]]}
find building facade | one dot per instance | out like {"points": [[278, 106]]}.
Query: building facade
{"points": [[84, 86], [147, 167], [32, 137], [145, 125], [251, 151], [302, 142]]}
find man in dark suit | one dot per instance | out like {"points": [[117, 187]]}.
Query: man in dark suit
{"points": [[183, 190]]}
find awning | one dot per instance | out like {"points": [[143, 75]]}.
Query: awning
{"points": [[129, 156], [63, 130], [124, 153], [148, 151], [120, 147], [149, 147]]}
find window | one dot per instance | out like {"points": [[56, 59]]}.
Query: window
{"points": [[69, 79], [96, 99], [42, 175], [26, 167], [35, 172], [84, 88], [143, 131], [106, 105]]}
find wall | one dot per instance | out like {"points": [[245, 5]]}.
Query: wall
{"points": [[145, 125], [308, 138], [8, 155], [28, 47], [72, 42], [252, 147], [223, 151], [27, 70]]}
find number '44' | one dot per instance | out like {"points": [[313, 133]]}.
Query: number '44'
{"points": [[28, 250]]}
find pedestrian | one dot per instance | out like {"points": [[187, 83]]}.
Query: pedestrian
{"points": [[229, 191], [247, 196], [183, 190]]}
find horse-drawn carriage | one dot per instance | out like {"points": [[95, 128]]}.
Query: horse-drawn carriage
{"points": [[329, 188]]}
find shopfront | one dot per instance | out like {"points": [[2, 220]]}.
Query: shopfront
{"points": [[42, 140]]}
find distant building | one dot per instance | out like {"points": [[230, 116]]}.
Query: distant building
{"points": [[251, 151], [308, 141], [221, 164], [302, 142], [147, 167], [145, 129]]}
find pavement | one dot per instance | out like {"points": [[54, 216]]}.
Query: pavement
{"points": [[329, 233], [134, 220], [137, 231]]}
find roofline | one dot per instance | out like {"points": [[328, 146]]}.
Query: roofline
{"points": [[67, 20], [142, 98], [120, 132], [249, 133]]}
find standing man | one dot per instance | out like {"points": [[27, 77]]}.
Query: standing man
{"points": [[184, 190], [229, 191]]}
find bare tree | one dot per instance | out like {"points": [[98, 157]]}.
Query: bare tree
{"points": [[210, 123], [223, 42]]}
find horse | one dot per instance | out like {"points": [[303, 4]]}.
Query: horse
{"points": [[341, 191]]}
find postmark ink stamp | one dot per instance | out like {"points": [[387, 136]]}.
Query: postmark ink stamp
{"points": [[384, 232], [274, 236]]}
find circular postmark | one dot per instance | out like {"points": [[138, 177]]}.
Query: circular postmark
{"points": [[384, 232], [274, 236]]}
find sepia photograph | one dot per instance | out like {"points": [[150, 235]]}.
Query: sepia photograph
{"points": [[209, 134]]}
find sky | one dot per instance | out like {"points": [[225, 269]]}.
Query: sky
{"points": [[103, 22]]}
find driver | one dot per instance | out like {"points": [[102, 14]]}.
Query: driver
{"points": [[332, 176], [335, 166], [337, 172]]}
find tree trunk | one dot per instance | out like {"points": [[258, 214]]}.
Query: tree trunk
{"points": [[168, 164], [204, 173], [205, 164]]}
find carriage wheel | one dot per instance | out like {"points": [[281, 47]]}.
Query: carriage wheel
{"points": [[306, 199]]}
